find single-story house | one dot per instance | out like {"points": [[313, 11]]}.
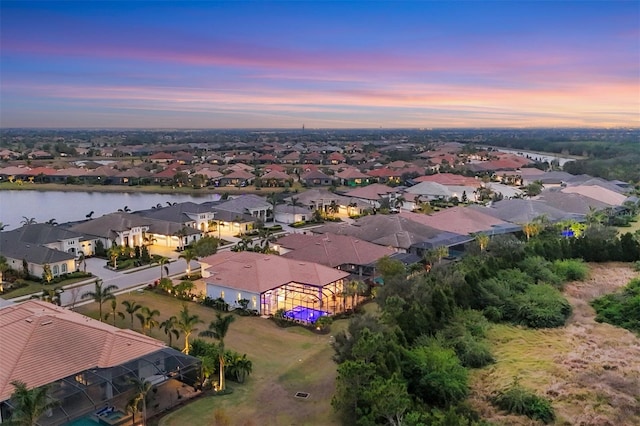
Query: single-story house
{"points": [[87, 365], [342, 252], [272, 283]]}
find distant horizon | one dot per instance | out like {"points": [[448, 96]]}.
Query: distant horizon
{"points": [[328, 65]]}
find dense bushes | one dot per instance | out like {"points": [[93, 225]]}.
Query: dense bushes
{"points": [[621, 308], [518, 400], [540, 306]]}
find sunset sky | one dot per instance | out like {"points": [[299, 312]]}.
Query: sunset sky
{"points": [[140, 64]]}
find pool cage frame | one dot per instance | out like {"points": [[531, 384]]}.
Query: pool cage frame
{"points": [[87, 391], [329, 298]]}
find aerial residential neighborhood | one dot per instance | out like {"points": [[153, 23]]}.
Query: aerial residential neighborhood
{"points": [[299, 239]]}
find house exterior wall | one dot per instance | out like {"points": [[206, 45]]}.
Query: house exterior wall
{"points": [[232, 296], [290, 218], [57, 268]]}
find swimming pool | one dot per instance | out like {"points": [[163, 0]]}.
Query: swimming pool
{"points": [[302, 313], [85, 421]]}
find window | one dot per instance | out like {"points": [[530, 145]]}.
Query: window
{"points": [[222, 294], [55, 270], [63, 268]]}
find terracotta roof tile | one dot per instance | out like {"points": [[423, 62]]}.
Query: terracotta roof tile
{"points": [[42, 343], [258, 273]]}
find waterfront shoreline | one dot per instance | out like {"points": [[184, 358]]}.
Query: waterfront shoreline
{"points": [[146, 189]]}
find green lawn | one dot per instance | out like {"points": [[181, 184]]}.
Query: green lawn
{"points": [[285, 361], [36, 288]]}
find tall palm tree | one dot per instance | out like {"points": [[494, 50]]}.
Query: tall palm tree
{"points": [[100, 294], [29, 404], [170, 328], [186, 324], [141, 388], [188, 255], [218, 330], [131, 307], [147, 319], [114, 312]]}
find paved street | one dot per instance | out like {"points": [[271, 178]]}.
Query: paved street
{"points": [[122, 280]]}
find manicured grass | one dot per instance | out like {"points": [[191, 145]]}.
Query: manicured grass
{"points": [[34, 287], [285, 361]]}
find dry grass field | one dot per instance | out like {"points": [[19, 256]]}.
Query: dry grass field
{"points": [[590, 371]]}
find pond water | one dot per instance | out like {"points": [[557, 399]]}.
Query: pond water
{"points": [[63, 206]]}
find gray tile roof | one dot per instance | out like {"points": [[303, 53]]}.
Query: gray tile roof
{"points": [[32, 253], [43, 233], [386, 230], [243, 203]]}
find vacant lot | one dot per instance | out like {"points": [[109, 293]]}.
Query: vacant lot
{"points": [[285, 361], [590, 371]]}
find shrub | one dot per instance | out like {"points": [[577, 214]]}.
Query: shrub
{"points": [[541, 270], [571, 269], [540, 306], [622, 308], [636, 266], [436, 375], [518, 400]]}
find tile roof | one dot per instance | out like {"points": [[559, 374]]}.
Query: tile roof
{"points": [[258, 273], [385, 230], [521, 211], [332, 250], [597, 193], [371, 192], [42, 233], [458, 220], [244, 202], [108, 225], [449, 179], [42, 343]]}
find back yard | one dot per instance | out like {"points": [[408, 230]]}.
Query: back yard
{"points": [[285, 361]]}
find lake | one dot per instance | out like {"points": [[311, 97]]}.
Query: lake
{"points": [[72, 206]]}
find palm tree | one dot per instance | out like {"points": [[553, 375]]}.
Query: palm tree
{"points": [[3, 225], [188, 255], [162, 261], [113, 254], [51, 295], [147, 319], [88, 216], [531, 229], [141, 388], [240, 367], [52, 222], [29, 404], [186, 324], [482, 240], [333, 208], [100, 294], [273, 199], [131, 307], [114, 312], [170, 328], [218, 330], [126, 209], [28, 220], [82, 261], [358, 289]]}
